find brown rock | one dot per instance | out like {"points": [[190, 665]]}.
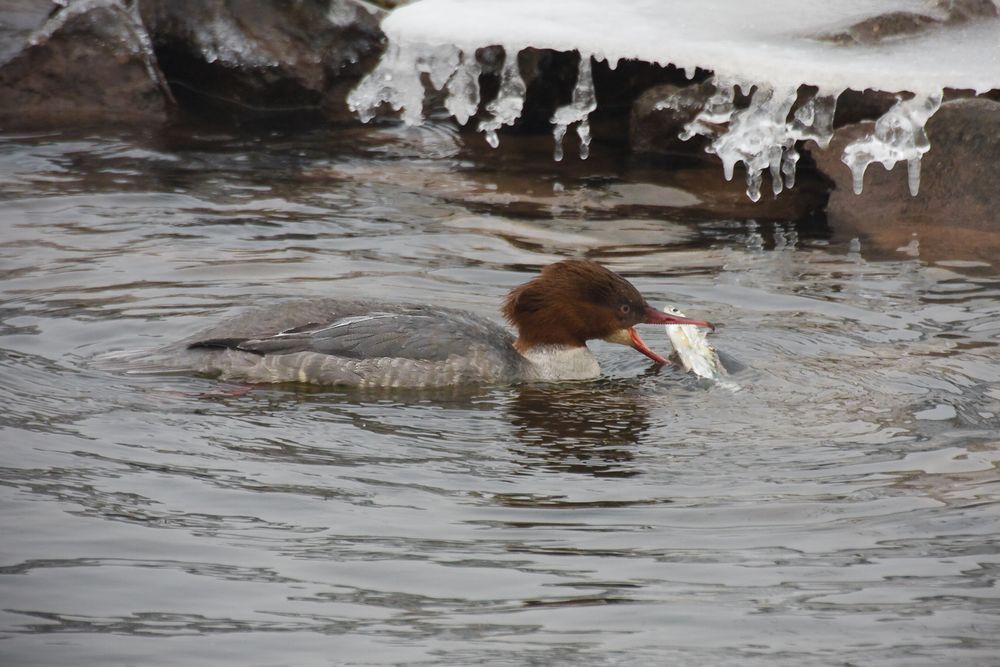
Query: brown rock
{"points": [[955, 215], [855, 106], [897, 25], [88, 63], [251, 57]]}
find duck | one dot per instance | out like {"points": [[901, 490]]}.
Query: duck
{"points": [[366, 343]]}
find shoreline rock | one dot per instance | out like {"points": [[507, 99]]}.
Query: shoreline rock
{"points": [[88, 63], [251, 58], [958, 199]]}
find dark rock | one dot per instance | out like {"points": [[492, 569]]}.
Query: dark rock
{"points": [[654, 130], [249, 57], [854, 106], [898, 25], [549, 77], [955, 213], [881, 28], [957, 12], [88, 63]]}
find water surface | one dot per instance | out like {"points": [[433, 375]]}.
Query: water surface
{"points": [[841, 507]]}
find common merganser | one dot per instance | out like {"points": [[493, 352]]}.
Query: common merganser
{"points": [[366, 344]]}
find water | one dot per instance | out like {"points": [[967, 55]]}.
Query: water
{"points": [[842, 508]]}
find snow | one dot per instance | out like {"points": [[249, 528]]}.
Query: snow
{"points": [[770, 46]]}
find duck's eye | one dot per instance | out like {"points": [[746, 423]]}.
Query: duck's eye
{"points": [[625, 308]]}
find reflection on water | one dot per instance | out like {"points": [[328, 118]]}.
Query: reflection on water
{"points": [[593, 429], [842, 508]]}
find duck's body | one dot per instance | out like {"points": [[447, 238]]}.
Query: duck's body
{"points": [[361, 343], [374, 344]]}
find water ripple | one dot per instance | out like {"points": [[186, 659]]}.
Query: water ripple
{"points": [[841, 508]]}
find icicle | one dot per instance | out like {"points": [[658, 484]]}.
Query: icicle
{"points": [[393, 81], [558, 132], [814, 119], [506, 108], [463, 89], [378, 87], [718, 110], [761, 136], [576, 111], [754, 179], [396, 80], [440, 63], [788, 163], [899, 135], [583, 131], [757, 137], [913, 175], [776, 163]]}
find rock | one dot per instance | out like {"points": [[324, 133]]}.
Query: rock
{"points": [[549, 77], [722, 199], [954, 214], [89, 63], [655, 130], [854, 106], [900, 24], [248, 57]]}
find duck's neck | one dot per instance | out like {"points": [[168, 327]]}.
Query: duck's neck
{"points": [[562, 362]]}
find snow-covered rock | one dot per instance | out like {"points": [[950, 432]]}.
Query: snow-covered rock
{"points": [[90, 62], [772, 50]]}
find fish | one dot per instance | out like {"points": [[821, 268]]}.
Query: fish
{"points": [[692, 349]]}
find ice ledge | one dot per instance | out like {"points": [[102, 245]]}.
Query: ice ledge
{"points": [[770, 47], [785, 42]]}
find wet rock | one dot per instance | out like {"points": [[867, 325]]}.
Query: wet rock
{"points": [[955, 212], [90, 62], [249, 57], [548, 77], [898, 25], [660, 114], [854, 106]]}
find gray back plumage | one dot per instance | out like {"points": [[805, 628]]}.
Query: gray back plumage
{"points": [[326, 340]]}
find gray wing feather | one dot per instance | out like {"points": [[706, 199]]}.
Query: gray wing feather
{"points": [[420, 335]]}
